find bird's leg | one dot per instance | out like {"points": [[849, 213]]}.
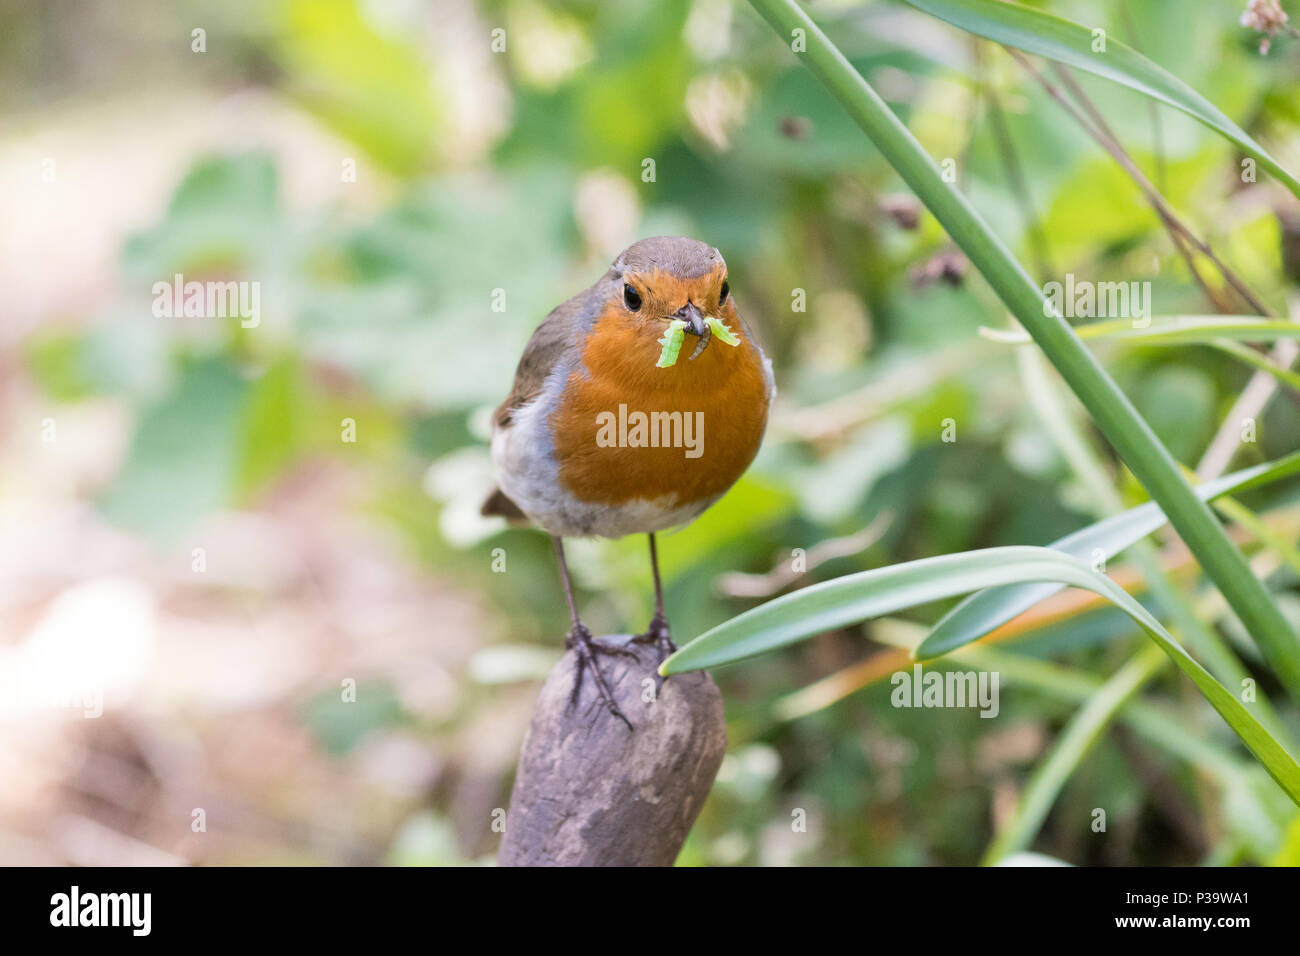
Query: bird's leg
{"points": [[580, 639], [657, 633]]}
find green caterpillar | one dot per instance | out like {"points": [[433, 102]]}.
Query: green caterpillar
{"points": [[721, 332], [672, 340], [672, 344]]}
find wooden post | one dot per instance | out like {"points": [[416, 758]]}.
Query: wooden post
{"points": [[589, 792]]}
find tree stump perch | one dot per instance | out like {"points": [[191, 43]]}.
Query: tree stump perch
{"points": [[589, 792]]}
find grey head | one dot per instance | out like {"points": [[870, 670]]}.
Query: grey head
{"points": [[683, 257]]}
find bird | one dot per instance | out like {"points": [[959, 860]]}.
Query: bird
{"points": [[609, 431]]}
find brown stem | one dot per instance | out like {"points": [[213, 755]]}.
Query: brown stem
{"points": [[1153, 196], [1095, 125]]}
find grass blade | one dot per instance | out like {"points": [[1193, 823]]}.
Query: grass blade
{"points": [[1073, 44], [1249, 356], [1175, 330], [1235, 511], [1225, 333], [1072, 746], [988, 610], [868, 594]]}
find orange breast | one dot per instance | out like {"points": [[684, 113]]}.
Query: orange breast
{"points": [[707, 416]]}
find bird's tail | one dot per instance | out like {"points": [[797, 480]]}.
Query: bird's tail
{"points": [[498, 504]]}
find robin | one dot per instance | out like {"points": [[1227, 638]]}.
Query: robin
{"points": [[609, 431]]}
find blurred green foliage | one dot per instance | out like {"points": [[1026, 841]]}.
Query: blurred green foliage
{"points": [[386, 318]]}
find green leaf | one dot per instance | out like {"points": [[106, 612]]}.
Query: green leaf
{"points": [[984, 612], [868, 594], [183, 457], [271, 432], [1225, 333], [245, 184], [1072, 44], [1175, 330], [367, 79], [223, 217], [339, 724], [57, 363]]}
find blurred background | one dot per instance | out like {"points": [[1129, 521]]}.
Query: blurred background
{"points": [[256, 551]]}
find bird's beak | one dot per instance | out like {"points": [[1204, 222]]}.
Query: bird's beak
{"points": [[693, 318]]}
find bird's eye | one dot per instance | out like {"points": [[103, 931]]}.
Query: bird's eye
{"points": [[631, 298], [726, 291]]}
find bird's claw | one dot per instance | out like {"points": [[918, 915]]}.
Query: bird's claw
{"points": [[658, 636], [580, 639]]}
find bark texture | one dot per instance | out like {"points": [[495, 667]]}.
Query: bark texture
{"points": [[589, 792]]}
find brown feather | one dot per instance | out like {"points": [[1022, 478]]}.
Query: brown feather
{"points": [[499, 505], [726, 384], [544, 349]]}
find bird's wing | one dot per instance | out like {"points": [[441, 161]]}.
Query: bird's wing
{"points": [[544, 349]]}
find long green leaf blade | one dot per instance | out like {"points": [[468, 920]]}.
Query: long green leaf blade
{"points": [[1225, 333], [1072, 44], [1174, 330], [988, 610], [1244, 353], [858, 597]]}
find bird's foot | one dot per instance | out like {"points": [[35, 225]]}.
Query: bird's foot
{"points": [[659, 637], [580, 639]]}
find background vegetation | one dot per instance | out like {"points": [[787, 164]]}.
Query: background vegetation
{"points": [[328, 560]]}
